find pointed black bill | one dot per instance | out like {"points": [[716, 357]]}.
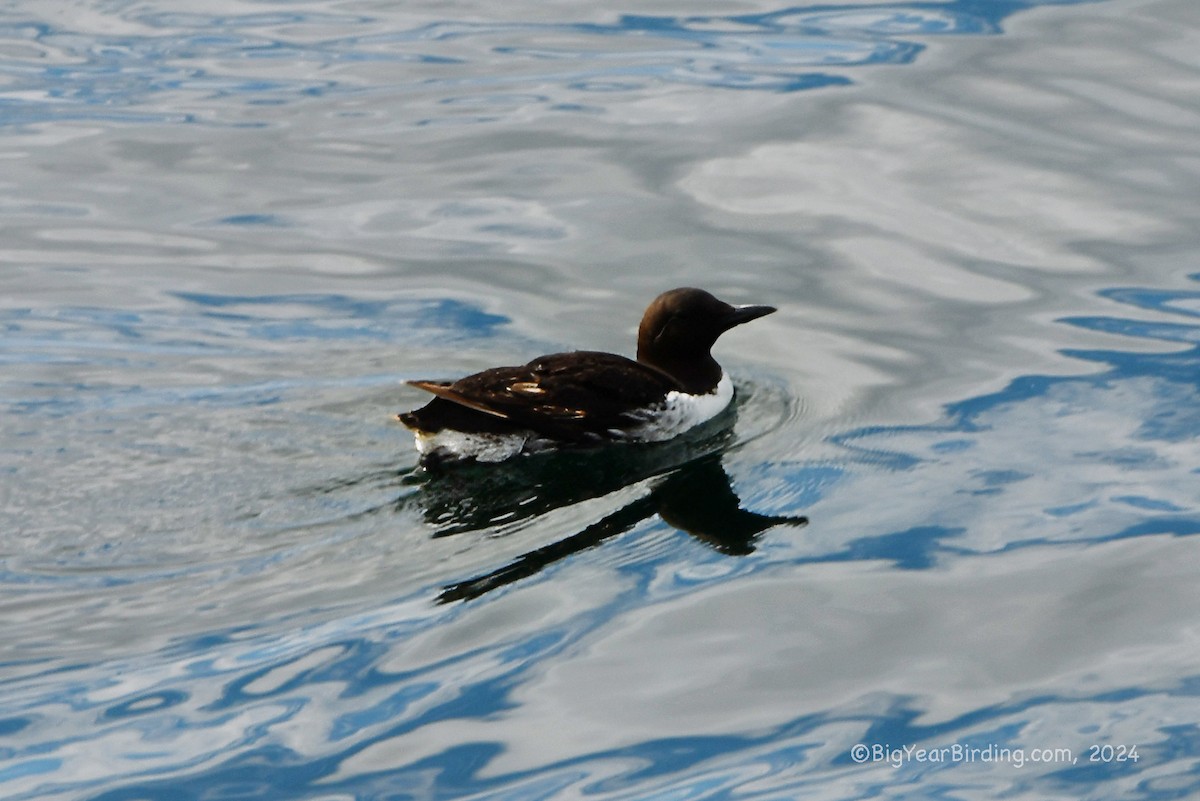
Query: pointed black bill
{"points": [[744, 314]]}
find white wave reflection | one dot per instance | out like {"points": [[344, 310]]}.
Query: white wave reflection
{"points": [[921, 180]]}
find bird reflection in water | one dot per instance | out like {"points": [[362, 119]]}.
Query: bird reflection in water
{"points": [[687, 488]]}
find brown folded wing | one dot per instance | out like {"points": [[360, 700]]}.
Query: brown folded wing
{"points": [[573, 396]]}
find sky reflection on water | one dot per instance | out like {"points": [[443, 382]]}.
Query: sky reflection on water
{"points": [[193, 66]]}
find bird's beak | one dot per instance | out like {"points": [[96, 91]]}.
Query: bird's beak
{"points": [[744, 314]]}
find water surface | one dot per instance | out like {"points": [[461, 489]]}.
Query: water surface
{"points": [[952, 510]]}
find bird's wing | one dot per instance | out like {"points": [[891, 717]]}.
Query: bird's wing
{"points": [[586, 391], [445, 390]]}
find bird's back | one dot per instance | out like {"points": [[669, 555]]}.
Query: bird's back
{"points": [[579, 396]]}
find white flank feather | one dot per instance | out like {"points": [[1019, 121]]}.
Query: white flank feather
{"points": [[678, 413]]}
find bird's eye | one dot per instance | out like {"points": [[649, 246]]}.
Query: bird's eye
{"points": [[667, 327]]}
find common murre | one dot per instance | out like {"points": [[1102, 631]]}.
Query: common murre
{"points": [[588, 397]]}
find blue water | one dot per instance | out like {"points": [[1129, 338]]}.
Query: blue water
{"points": [[941, 548]]}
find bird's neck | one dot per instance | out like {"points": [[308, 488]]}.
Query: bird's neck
{"points": [[697, 373]]}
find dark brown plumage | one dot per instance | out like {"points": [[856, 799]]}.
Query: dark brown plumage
{"points": [[575, 397], [588, 396]]}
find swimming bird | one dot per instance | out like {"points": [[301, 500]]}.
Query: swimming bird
{"points": [[587, 397]]}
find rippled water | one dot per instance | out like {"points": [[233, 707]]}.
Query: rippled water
{"points": [[951, 510]]}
